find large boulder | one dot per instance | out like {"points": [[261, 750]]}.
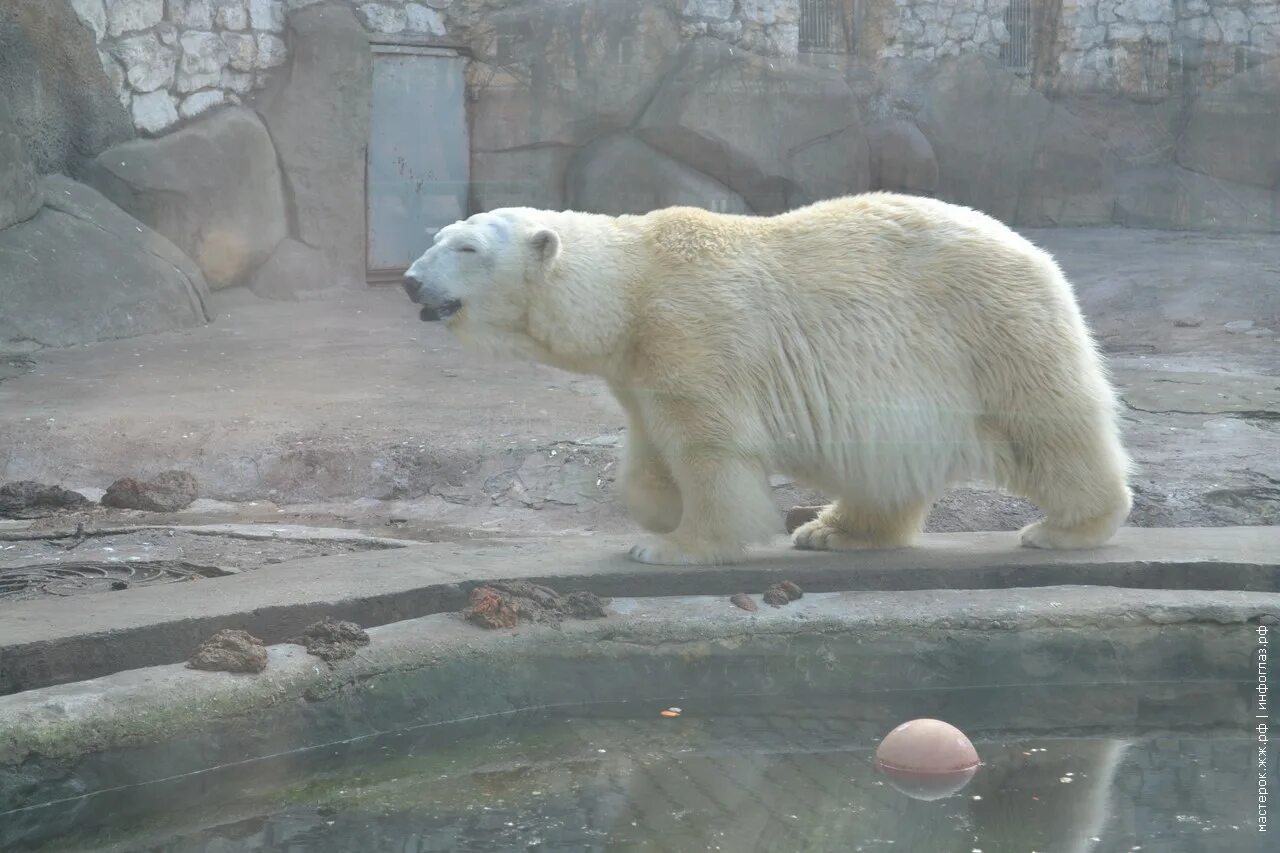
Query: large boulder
{"points": [[526, 177], [318, 116], [50, 72], [902, 159], [82, 270], [213, 188], [565, 73], [621, 174], [781, 135], [1171, 197], [1003, 148], [1233, 130], [294, 272], [20, 196]]}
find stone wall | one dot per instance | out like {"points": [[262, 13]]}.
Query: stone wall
{"points": [[1145, 49], [171, 60], [936, 29]]}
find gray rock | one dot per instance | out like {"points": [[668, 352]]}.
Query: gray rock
{"points": [[201, 102], [87, 272], [168, 491], [231, 14], [526, 177], [1005, 149], [204, 55], [192, 14], [780, 135], [29, 499], [570, 74], [213, 188], [62, 103], [125, 16], [295, 271], [621, 174], [1171, 197], [1233, 129], [93, 14], [154, 112], [149, 65], [242, 51], [20, 195], [902, 159], [319, 120]]}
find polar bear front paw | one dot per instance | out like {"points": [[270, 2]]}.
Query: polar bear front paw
{"points": [[658, 552]]}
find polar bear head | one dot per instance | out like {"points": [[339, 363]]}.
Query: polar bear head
{"points": [[520, 281]]}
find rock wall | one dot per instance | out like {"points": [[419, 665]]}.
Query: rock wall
{"points": [[171, 60], [935, 29], [1144, 49], [62, 103]]}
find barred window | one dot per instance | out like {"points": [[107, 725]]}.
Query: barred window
{"points": [[819, 28]]}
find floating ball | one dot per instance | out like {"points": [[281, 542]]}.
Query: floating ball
{"points": [[927, 759]]}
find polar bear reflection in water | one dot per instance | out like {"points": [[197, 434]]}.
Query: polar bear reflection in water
{"points": [[877, 348]]}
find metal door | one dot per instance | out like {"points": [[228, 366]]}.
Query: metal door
{"points": [[419, 156]]}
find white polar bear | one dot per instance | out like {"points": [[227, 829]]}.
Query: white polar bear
{"points": [[876, 347]]}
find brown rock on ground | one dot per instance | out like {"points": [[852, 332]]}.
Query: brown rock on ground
{"points": [[230, 650], [23, 498], [168, 491], [333, 640], [503, 604], [782, 593]]}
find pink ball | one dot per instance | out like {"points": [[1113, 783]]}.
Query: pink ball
{"points": [[927, 759]]}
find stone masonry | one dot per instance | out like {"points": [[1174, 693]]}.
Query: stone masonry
{"points": [[171, 60], [174, 59], [1140, 48]]}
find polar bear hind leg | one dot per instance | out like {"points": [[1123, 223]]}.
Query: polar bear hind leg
{"points": [[1076, 472]]}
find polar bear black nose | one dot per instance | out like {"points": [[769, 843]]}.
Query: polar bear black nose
{"points": [[412, 286]]}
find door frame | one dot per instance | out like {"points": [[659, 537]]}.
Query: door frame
{"points": [[413, 46]]}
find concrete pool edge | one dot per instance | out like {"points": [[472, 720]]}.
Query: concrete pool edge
{"points": [[149, 724], [52, 642]]}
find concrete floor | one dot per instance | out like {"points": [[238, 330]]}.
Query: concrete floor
{"points": [[352, 412]]}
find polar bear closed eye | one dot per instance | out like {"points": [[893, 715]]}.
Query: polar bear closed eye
{"points": [[876, 347]]}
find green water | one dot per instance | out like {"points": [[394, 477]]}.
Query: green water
{"points": [[740, 775]]}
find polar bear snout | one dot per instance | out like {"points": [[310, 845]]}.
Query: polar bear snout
{"points": [[436, 305]]}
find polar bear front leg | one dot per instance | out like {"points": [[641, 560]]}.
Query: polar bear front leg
{"points": [[726, 504], [649, 491]]}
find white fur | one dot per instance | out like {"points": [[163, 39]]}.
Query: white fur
{"points": [[877, 347]]}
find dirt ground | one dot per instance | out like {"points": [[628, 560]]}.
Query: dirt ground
{"points": [[352, 413]]}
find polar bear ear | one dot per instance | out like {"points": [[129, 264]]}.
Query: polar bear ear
{"points": [[546, 243]]}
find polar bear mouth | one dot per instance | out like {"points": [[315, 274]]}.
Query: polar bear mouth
{"points": [[443, 311]]}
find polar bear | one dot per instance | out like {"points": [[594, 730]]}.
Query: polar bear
{"points": [[875, 347]]}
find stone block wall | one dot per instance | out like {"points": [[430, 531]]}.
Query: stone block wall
{"points": [[936, 29], [1145, 49], [171, 60]]}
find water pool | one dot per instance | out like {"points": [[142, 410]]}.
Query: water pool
{"points": [[744, 773]]}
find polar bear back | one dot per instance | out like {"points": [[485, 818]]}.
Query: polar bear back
{"points": [[880, 336]]}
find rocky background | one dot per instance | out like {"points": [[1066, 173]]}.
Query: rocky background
{"points": [[234, 131], [159, 159]]}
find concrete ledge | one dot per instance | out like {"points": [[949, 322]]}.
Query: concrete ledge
{"points": [[53, 642]]}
